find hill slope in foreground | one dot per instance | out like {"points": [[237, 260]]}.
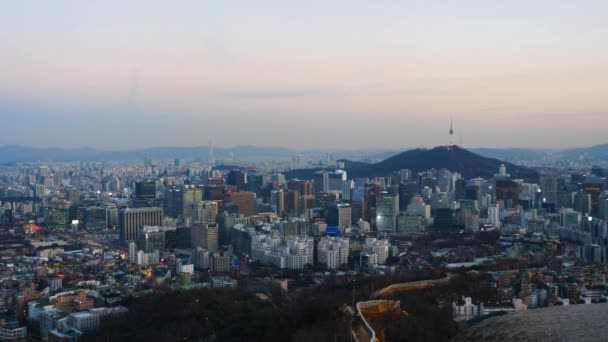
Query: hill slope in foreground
{"points": [[558, 323]]}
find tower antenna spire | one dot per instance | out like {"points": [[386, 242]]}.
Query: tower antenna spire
{"points": [[451, 132]]}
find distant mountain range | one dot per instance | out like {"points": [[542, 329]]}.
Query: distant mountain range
{"points": [[17, 153], [583, 154]]}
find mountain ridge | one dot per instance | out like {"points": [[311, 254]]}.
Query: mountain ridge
{"points": [[453, 158]]}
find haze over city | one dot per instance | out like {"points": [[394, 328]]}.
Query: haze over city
{"points": [[343, 74], [327, 171]]}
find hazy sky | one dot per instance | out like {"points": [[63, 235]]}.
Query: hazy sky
{"points": [[306, 74]]}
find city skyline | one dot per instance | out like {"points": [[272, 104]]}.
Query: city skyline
{"points": [[345, 75]]}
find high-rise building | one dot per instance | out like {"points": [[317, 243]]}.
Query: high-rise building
{"points": [[151, 238], [174, 201], [603, 208], [347, 188], [494, 215], [132, 252], [237, 179], [178, 200], [335, 180], [443, 220], [292, 202], [277, 201], [245, 201], [339, 214], [321, 182], [200, 258], [183, 237], [304, 187], [131, 219], [205, 236], [594, 186], [254, 181], [548, 188], [111, 214], [145, 190], [387, 209], [74, 196], [204, 211], [583, 202]]}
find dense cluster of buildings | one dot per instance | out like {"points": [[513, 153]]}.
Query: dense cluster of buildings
{"points": [[96, 232]]}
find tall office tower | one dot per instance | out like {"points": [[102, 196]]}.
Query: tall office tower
{"points": [[583, 203], [245, 201], [444, 180], [494, 215], [237, 179], [151, 238], [460, 190], [278, 178], [205, 236], [211, 154], [174, 201], [214, 193], [183, 237], [255, 181], [43, 170], [111, 214], [306, 203], [292, 202], [548, 188], [387, 209], [304, 187], [179, 199], [603, 208], [131, 219], [358, 204], [406, 175], [277, 201], [145, 190], [347, 188], [594, 186], [39, 190], [204, 211], [508, 191], [192, 194], [200, 258], [335, 180], [339, 214], [132, 253], [74, 196], [321, 182]]}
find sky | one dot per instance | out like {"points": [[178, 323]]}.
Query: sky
{"points": [[310, 74]]}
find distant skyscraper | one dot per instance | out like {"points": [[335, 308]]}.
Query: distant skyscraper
{"points": [[321, 182], [205, 236], [494, 215], [132, 252], [387, 209], [145, 190], [245, 202], [211, 157], [131, 219], [237, 179], [151, 238]]}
